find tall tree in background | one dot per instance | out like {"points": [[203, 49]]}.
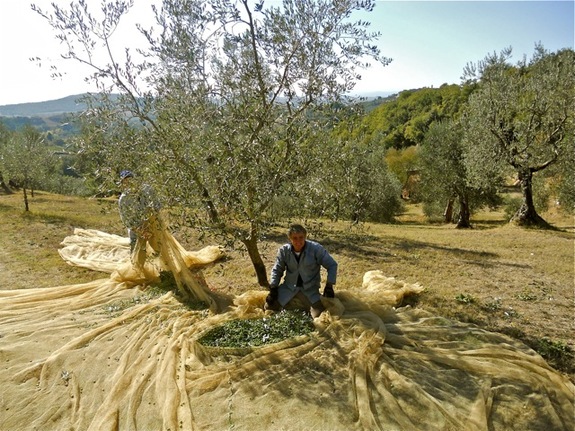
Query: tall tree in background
{"points": [[232, 99], [4, 139], [26, 160], [355, 184], [445, 181], [522, 116]]}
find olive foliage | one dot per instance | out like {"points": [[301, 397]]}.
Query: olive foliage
{"points": [[5, 134], [355, 185], [227, 105], [522, 118], [26, 160], [445, 180]]}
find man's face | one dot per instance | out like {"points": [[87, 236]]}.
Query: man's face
{"points": [[127, 183], [297, 240]]}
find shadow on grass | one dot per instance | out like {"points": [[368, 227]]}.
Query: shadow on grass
{"points": [[374, 247], [360, 244], [488, 224], [368, 246], [49, 218], [35, 215]]}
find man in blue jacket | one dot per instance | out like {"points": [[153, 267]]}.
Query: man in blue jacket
{"points": [[301, 261]]}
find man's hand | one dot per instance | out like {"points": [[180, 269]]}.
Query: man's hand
{"points": [[143, 231], [328, 291], [272, 296]]}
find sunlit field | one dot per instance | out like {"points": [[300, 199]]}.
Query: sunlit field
{"points": [[497, 276]]}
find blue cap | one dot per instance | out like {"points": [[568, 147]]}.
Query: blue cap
{"points": [[126, 174]]}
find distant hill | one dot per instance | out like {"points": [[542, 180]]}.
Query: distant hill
{"points": [[370, 95], [48, 108], [372, 102], [55, 114], [71, 104]]}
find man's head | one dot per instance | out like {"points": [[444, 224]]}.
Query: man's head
{"points": [[297, 235], [126, 174]]}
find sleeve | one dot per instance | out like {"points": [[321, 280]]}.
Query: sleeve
{"points": [[329, 263], [278, 269]]}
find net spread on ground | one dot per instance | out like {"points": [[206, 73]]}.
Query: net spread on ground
{"points": [[111, 355]]}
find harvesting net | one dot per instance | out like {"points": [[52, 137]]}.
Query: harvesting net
{"points": [[108, 355]]}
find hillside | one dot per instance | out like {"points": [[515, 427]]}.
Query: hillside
{"points": [[72, 104], [69, 104]]}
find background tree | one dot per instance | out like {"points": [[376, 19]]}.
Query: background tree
{"points": [[4, 139], [401, 162], [522, 116], [231, 111], [445, 182], [353, 184], [371, 193], [27, 160], [561, 177]]}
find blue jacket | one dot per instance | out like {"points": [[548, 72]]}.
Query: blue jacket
{"points": [[312, 258]]}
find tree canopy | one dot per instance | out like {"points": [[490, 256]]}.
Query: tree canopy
{"points": [[26, 160], [445, 178], [522, 117], [233, 99]]}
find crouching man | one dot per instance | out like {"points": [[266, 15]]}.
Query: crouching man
{"points": [[301, 261]]}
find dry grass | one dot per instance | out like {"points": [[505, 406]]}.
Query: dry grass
{"points": [[29, 241], [500, 277]]}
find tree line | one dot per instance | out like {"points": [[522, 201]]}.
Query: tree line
{"points": [[505, 122], [236, 113]]}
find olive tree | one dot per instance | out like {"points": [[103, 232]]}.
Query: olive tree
{"points": [[562, 177], [355, 184], [445, 178], [522, 117], [27, 160], [4, 139], [226, 104]]}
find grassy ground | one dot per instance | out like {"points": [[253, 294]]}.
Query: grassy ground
{"points": [[500, 277]]}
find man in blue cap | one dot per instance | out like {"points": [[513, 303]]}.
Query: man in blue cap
{"points": [[139, 211]]}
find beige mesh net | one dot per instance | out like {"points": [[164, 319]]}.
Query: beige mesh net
{"points": [[104, 356]]}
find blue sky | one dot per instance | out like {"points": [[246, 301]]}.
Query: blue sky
{"points": [[430, 42]]}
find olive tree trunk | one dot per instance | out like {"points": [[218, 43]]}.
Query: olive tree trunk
{"points": [[463, 219], [526, 215], [251, 243]]}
